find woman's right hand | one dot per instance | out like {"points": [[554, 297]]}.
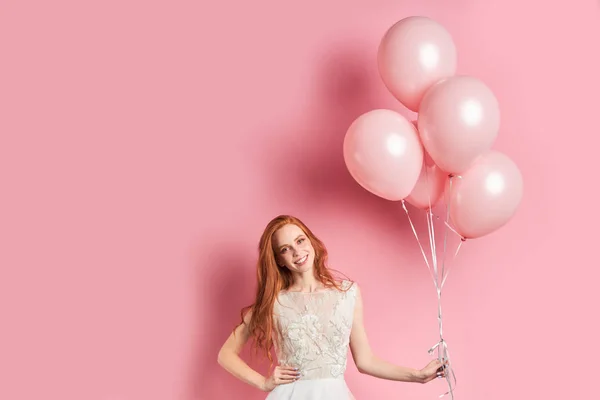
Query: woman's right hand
{"points": [[281, 375], [435, 369]]}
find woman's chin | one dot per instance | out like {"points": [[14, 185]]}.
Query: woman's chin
{"points": [[304, 268]]}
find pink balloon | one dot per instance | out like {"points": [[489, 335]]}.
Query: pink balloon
{"points": [[429, 187], [415, 53], [486, 196], [459, 119], [431, 183], [383, 153], [427, 159]]}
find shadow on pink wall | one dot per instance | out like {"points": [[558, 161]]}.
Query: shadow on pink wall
{"points": [[344, 89], [303, 156]]}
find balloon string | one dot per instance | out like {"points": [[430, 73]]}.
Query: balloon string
{"points": [[453, 230], [448, 226], [432, 246], [442, 347], [446, 232], [431, 231], [462, 238], [443, 354], [455, 254], [446, 223], [459, 246], [412, 225]]}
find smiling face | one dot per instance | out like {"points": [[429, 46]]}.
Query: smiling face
{"points": [[293, 249]]}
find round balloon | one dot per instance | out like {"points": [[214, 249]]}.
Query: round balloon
{"points": [[383, 153], [429, 187], [486, 196], [459, 120], [415, 53]]}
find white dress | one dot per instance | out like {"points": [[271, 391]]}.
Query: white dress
{"points": [[313, 335]]}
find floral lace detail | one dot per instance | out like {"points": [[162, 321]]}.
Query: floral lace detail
{"points": [[313, 330]]}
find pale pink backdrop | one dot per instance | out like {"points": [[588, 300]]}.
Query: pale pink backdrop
{"points": [[145, 145]]}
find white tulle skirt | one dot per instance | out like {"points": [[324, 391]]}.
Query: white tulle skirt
{"points": [[312, 389]]}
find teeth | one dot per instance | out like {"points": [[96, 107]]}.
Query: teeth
{"points": [[300, 261]]}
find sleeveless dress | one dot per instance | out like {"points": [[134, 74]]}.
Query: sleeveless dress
{"points": [[313, 335]]}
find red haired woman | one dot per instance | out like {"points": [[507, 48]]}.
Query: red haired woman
{"points": [[310, 319]]}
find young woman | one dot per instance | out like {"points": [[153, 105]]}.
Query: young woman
{"points": [[310, 319]]}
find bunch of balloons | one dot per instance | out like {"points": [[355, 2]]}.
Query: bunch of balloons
{"points": [[445, 154], [458, 122]]}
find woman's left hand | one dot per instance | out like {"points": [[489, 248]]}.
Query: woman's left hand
{"points": [[433, 370]]}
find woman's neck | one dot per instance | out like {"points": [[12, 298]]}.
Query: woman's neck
{"points": [[305, 283]]}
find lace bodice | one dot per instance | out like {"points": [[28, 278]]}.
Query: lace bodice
{"points": [[313, 330]]}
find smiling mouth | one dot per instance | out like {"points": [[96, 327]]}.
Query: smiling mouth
{"points": [[302, 260]]}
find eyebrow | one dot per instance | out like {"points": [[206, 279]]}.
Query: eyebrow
{"points": [[298, 237]]}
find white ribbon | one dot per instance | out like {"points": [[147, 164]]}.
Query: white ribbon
{"points": [[439, 280]]}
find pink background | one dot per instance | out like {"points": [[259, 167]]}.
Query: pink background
{"points": [[145, 145]]}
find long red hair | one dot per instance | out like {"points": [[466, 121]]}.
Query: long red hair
{"points": [[271, 279]]}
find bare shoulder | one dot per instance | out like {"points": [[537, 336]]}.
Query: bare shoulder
{"points": [[348, 286], [247, 316]]}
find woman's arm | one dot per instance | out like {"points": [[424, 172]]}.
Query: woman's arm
{"points": [[230, 360], [368, 363]]}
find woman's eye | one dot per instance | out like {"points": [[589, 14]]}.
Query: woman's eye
{"points": [[283, 250], [300, 240]]}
